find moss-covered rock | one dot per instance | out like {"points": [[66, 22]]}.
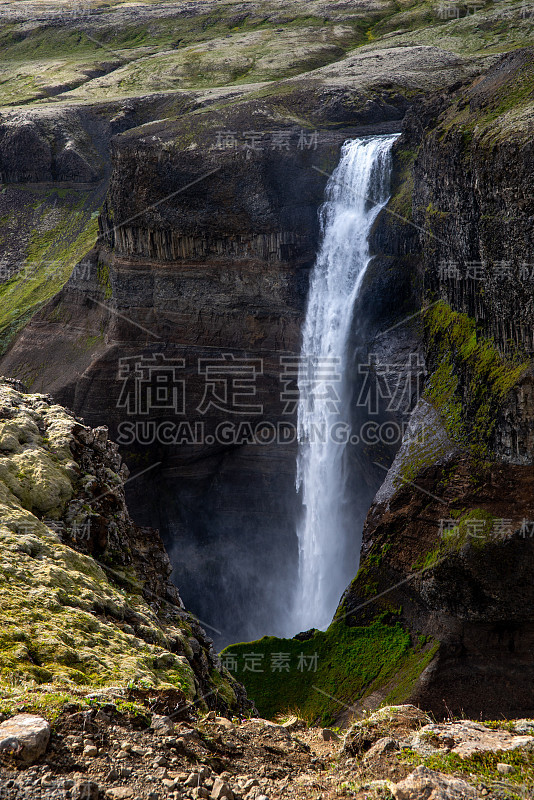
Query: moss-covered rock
{"points": [[84, 598], [470, 379]]}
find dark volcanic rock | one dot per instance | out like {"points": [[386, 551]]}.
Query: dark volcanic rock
{"points": [[471, 197], [448, 543], [469, 588], [201, 269]]}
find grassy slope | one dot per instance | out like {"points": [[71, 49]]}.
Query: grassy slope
{"points": [[329, 673], [51, 229], [108, 53]]}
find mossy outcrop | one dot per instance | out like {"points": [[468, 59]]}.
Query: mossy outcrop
{"points": [[326, 676], [85, 599]]}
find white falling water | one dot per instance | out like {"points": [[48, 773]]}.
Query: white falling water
{"points": [[355, 193]]}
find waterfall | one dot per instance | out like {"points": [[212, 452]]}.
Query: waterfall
{"points": [[355, 193]]}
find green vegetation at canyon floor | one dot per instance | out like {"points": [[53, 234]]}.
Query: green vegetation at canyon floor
{"points": [[326, 675]]}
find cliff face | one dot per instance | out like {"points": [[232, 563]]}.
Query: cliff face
{"points": [[478, 251], [199, 273], [440, 612], [55, 167], [86, 598], [451, 528], [199, 279]]}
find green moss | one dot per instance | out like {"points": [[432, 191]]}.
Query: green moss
{"points": [[51, 703], [505, 114], [346, 664], [409, 674], [470, 377], [51, 254], [513, 96], [104, 279], [223, 689], [481, 769], [377, 553], [400, 202], [62, 616], [473, 528], [41, 60]]}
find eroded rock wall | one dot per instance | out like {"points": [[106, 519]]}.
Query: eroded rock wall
{"points": [[448, 542]]}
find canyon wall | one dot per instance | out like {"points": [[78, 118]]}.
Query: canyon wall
{"points": [[200, 275], [204, 289], [198, 280], [451, 528], [440, 612]]}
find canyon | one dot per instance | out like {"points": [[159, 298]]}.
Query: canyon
{"points": [[160, 224]]}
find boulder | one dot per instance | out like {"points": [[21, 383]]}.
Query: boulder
{"points": [[294, 724], [464, 738], [524, 726], [24, 738], [120, 792], [85, 790], [162, 725], [221, 790], [380, 748], [329, 735], [426, 784], [505, 769], [225, 723], [397, 720]]}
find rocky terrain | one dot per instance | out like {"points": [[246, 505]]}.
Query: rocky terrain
{"points": [[93, 750]]}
